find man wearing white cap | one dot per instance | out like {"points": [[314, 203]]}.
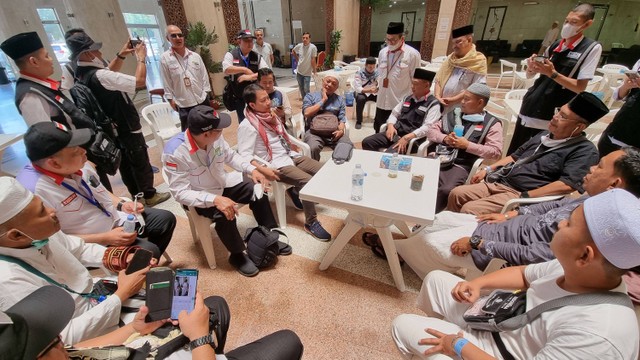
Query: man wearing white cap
{"points": [[593, 248], [30, 234]]}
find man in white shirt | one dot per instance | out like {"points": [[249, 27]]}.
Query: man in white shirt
{"points": [[396, 64], [30, 232], [194, 163], [280, 103], [596, 244], [565, 70], [306, 55], [549, 38], [263, 48], [185, 78], [365, 83]]}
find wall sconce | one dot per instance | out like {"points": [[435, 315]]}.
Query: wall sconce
{"points": [[530, 3], [110, 14], [25, 22], [71, 15], [216, 4]]}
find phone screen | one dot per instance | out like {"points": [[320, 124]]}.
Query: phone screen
{"points": [[184, 291]]}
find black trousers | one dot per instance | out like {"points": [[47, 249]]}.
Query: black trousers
{"points": [[227, 229], [521, 134], [605, 146], [281, 345], [184, 113], [239, 108], [379, 140], [449, 178], [361, 101], [157, 232], [380, 119], [135, 167]]}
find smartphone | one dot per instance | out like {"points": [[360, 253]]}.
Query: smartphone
{"points": [[540, 58], [159, 290], [140, 260], [633, 75], [135, 43], [184, 291]]}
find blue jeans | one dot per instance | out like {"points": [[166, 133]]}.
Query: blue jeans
{"points": [[304, 84]]}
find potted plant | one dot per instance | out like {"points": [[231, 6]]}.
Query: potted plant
{"points": [[198, 39], [334, 48]]}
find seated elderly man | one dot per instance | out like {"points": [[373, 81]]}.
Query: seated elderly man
{"points": [[263, 135], [325, 108], [520, 237], [410, 118], [35, 253], [60, 174], [550, 163], [482, 139], [194, 163], [593, 248]]}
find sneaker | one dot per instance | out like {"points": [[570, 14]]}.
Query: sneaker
{"points": [[295, 198], [317, 231], [358, 125], [284, 248], [243, 264], [156, 199]]}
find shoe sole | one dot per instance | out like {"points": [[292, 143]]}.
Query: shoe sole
{"points": [[314, 236], [248, 275], [155, 203]]}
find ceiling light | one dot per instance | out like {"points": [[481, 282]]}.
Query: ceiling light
{"points": [[530, 3]]}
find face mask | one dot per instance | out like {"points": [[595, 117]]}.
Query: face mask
{"points": [[569, 30], [476, 118], [38, 244], [395, 47], [97, 61]]}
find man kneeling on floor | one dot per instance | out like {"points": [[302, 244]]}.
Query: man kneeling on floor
{"points": [[265, 136], [593, 248], [194, 161], [34, 253]]}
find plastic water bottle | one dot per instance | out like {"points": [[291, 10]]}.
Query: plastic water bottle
{"points": [[129, 225], [394, 162], [357, 183]]}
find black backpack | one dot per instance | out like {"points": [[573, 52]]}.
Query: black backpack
{"points": [[229, 98], [103, 151], [262, 245]]}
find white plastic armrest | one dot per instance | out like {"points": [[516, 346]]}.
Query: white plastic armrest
{"points": [[305, 149], [422, 149], [511, 204]]}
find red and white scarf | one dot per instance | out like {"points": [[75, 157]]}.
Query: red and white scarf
{"points": [[262, 121]]}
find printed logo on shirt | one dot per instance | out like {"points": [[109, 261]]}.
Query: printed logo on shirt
{"points": [[574, 55], [68, 200], [422, 108], [171, 165], [217, 151]]}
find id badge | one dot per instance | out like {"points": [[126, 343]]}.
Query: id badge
{"points": [[187, 81], [385, 83]]}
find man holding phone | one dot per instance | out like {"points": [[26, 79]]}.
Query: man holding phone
{"points": [[565, 70], [280, 103], [624, 130]]}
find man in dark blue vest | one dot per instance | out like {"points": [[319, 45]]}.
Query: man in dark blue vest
{"points": [[482, 138], [280, 103], [565, 70], [241, 65], [410, 118]]}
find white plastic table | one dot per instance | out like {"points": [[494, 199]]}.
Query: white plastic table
{"points": [[7, 140], [386, 201]]}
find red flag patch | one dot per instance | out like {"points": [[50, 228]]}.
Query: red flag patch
{"points": [[171, 165]]}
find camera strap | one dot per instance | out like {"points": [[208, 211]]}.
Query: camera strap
{"points": [[537, 154]]}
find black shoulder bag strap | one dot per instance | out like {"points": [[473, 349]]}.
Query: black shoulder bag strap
{"points": [[535, 156]]}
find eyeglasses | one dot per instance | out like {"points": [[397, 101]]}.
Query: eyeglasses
{"points": [[51, 345], [562, 116], [179, 35]]}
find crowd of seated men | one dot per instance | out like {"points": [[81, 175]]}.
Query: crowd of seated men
{"points": [[58, 218]]}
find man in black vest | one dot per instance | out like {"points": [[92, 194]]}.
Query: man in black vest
{"points": [[565, 70], [410, 118], [38, 97], [241, 65], [110, 89], [482, 139]]}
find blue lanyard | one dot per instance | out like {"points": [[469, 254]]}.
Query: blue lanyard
{"points": [[92, 200], [245, 59]]}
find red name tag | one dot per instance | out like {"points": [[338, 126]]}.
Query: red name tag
{"points": [[68, 200]]}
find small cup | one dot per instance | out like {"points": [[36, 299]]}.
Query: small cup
{"points": [[458, 130], [416, 181]]}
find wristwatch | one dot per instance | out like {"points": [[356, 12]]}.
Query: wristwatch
{"points": [[524, 195], [207, 339], [554, 75], [475, 241]]}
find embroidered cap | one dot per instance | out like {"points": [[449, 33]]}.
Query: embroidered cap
{"points": [[588, 106], [46, 138], [481, 90], [395, 28], [22, 44], [613, 218], [35, 322], [245, 34], [203, 118], [13, 198], [423, 74], [462, 31]]}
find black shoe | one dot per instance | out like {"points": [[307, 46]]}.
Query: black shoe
{"points": [[243, 264], [284, 248], [358, 125], [295, 198], [317, 231]]}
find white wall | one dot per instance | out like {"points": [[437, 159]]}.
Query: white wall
{"points": [[268, 15], [382, 16], [347, 16]]}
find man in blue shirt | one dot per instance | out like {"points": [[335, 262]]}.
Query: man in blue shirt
{"points": [[322, 102]]}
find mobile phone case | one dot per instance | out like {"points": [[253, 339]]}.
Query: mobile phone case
{"points": [[159, 299]]}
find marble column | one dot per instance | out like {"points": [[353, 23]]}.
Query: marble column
{"points": [[231, 19], [364, 31], [174, 13], [329, 24], [431, 15], [463, 17]]}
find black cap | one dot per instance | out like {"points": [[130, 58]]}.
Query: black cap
{"points": [[203, 118], [395, 28], [245, 34], [81, 42], [423, 74], [22, 44], [588, 106], [46, 138], [462, 31], [370, 60], [34, 322]]}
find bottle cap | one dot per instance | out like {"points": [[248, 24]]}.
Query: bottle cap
{"points": [[130, 217]]}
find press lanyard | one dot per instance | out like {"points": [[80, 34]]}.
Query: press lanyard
{"points": [[245, 59], [92, 199], [395, 60]]}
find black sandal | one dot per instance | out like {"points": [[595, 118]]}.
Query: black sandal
{"points": [[370, 239], [378, 250]]}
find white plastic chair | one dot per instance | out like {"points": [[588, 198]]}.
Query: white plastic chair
{"points": [[163, 122], [593, 83], [352, 67], [424, 63], [514, 203], [509, 65], [339, 63], [439, 59], [614, 67], [594, 131], [515, 94], [412, 142]]}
